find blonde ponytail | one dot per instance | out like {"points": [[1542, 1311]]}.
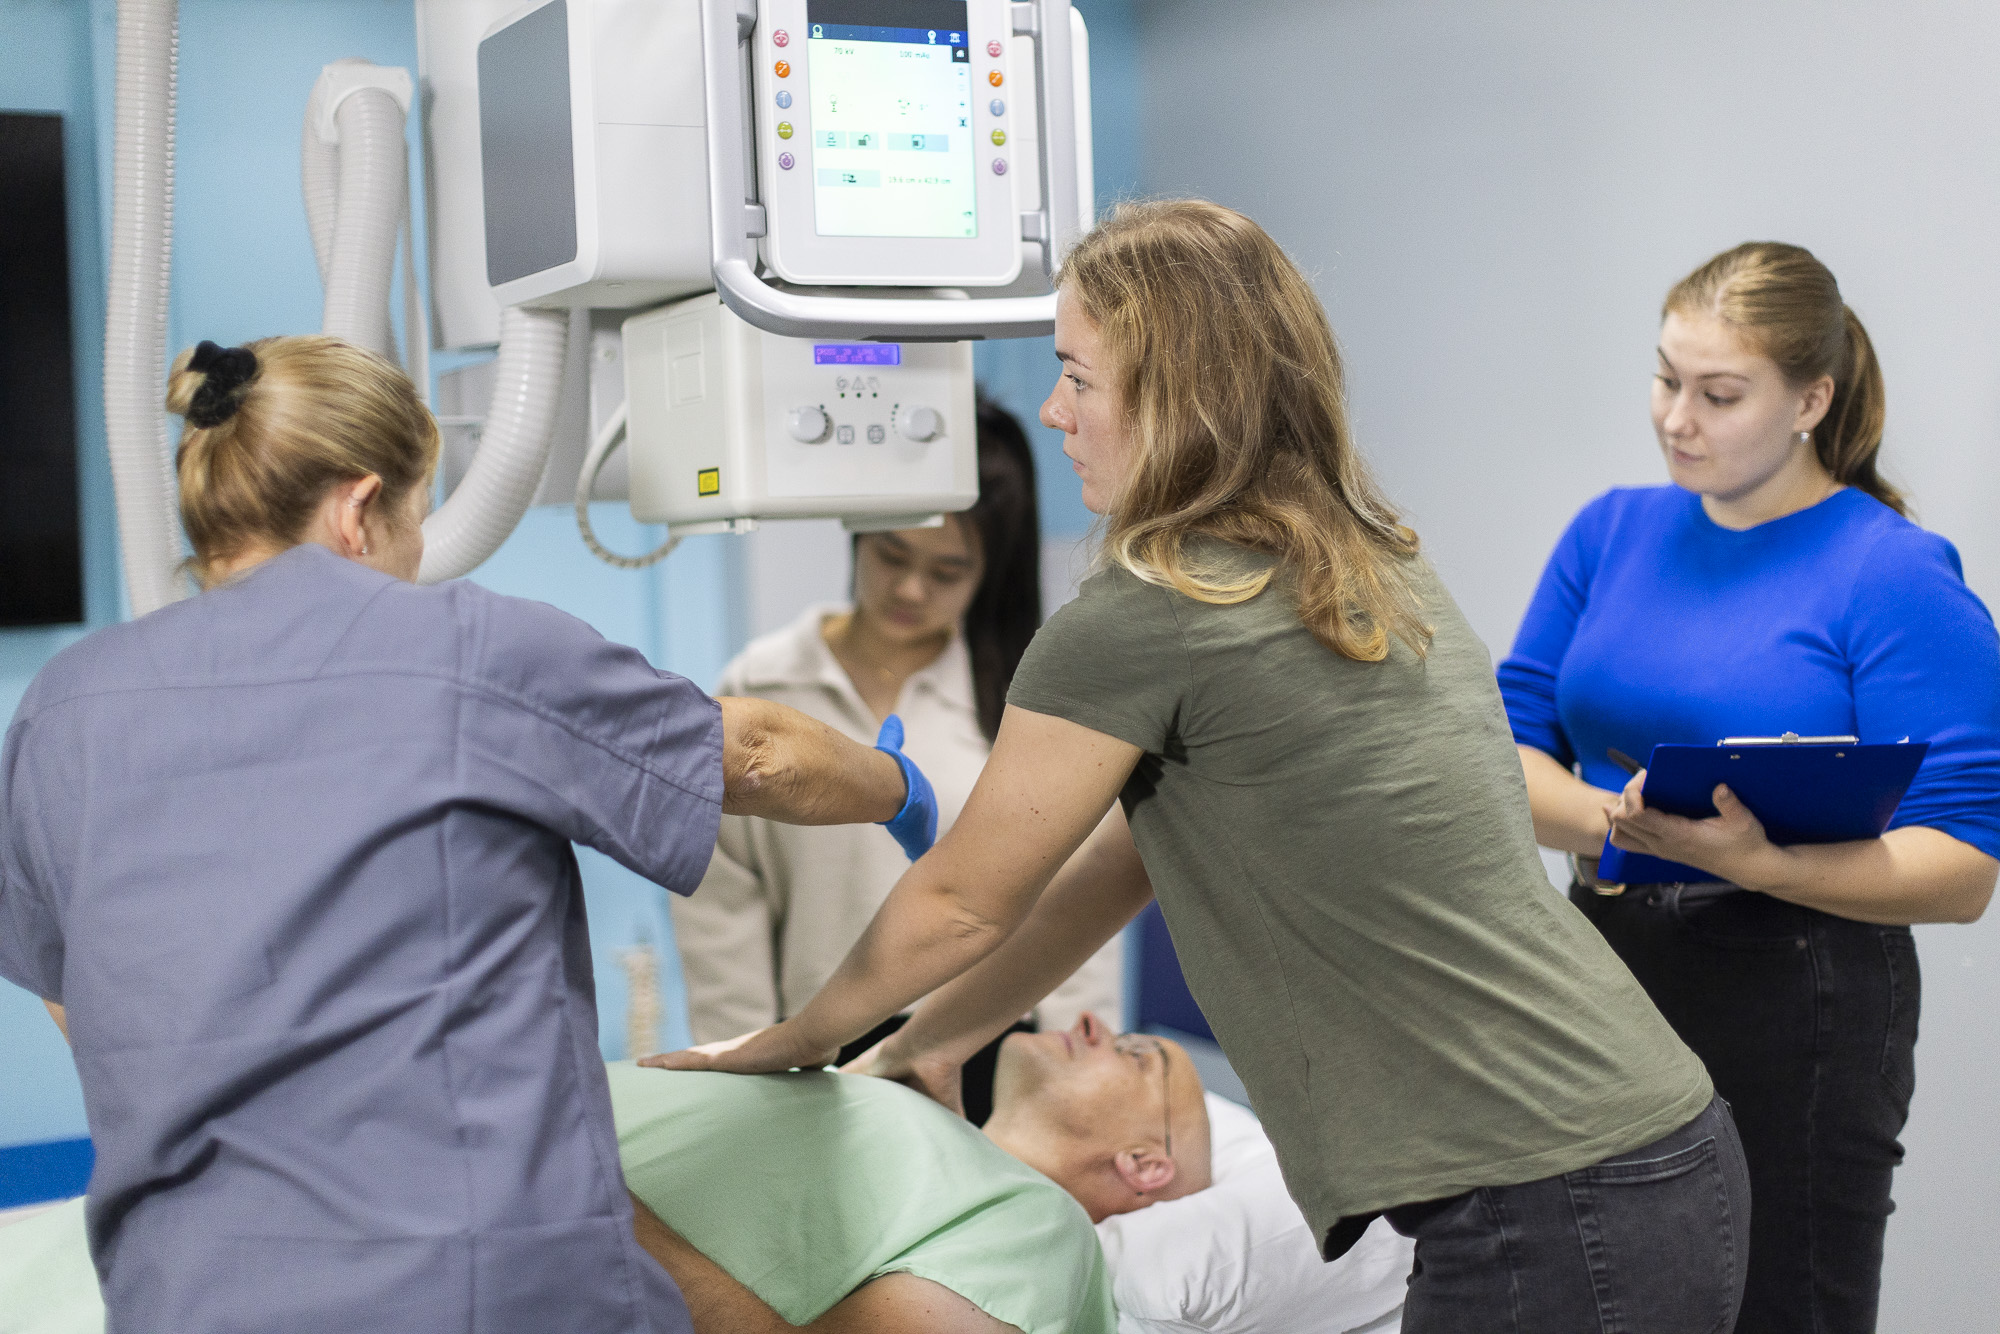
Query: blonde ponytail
{"points": [[271, 426]]}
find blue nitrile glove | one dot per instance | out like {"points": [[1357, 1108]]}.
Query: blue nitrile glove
{"points": [[915, 826]]}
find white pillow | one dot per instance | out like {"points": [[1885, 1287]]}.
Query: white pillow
{"points": [[1238, 1257]]}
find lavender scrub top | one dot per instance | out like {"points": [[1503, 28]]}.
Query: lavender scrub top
{"points": [[295, 856]]}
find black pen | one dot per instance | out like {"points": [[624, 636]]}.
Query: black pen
{"points": [[1623, 761]]}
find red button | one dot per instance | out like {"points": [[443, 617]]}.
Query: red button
{"points": [[781, 38], [996, 78], [783, 69], [993, 49]]}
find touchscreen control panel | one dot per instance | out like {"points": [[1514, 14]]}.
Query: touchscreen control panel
{"points": [[883, 138]]}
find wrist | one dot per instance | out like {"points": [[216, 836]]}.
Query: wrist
{"points": [[1768, 870], [894, 783]]}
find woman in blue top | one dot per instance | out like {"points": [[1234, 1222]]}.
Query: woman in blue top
{"points": [[1775, 587], [291, 861]]}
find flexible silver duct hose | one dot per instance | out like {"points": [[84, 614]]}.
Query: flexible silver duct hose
{"points": [[368, 198], [356, 183], [135, 319], [513, 449]]}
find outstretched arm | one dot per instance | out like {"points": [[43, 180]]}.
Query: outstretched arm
{"points": [[1095, 894], [1046, 786], [785, 766]]}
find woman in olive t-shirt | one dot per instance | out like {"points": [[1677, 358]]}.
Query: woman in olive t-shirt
{"points": [[1306, 739]]}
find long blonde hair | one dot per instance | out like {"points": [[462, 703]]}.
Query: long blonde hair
{"points": [[1234, 398], [312, 413], [1788, 306]]}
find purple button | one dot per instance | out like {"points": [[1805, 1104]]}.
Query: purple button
{"points": [[781, 38], [786, 162], [999, 166]]}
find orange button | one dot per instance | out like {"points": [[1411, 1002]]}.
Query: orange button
{"points": [[996, 78], [783, 68]]}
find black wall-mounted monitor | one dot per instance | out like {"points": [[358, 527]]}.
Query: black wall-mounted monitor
{"points": [[41, 529]]}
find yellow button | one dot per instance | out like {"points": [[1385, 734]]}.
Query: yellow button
{"points": [[708, 482], [999, 137], [784, 129]]}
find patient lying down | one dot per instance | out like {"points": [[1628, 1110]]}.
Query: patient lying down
{"points": [[845, 1204]]}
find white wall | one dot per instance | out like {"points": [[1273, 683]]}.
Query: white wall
{"points": [[1493, 200]]}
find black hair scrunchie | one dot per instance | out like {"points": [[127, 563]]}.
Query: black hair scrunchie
{"points": [[225, 370]]}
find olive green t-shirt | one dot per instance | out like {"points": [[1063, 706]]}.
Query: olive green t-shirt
{"points": [[1345, 860]]}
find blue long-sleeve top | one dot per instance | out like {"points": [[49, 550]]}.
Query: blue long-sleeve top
{"points": [[1653, 623]]}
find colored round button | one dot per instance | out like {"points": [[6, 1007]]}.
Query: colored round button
{"points": [[786, 162], [784, 99], [999, 166], [994, 77], [781, 38], [993, 49], [784, 129], [999, 137], [997, 107], [783, 68]]}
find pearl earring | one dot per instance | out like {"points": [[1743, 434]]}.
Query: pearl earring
{"points": [[1805, 437]]}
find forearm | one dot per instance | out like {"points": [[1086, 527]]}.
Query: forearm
{"points": [[1568, 812], [1096, 893], [927, 932], [1905, 877], [782, 765], [717, 1303]]}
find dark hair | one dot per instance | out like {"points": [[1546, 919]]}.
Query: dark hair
{"points": [[1787, 304], [1007, 609]]}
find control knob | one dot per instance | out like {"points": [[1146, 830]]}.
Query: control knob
{"points": [[807, 425], [920, 424]]}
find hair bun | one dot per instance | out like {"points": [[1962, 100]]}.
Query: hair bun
{"points": [[224, 370]]}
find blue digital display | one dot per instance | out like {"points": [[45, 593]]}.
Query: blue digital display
{"points": [[870, 32], [857, 354]]}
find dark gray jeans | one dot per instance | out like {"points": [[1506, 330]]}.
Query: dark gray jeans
{"points": [[1648, 1242]]}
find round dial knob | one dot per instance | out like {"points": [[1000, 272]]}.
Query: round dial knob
{"points": [[920, 424], [807, 424]]}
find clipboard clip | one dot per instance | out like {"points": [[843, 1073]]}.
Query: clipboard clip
{"points": [[1789, 739]]}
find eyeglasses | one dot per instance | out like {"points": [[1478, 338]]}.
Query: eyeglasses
{"points": [[1140, 1044]]}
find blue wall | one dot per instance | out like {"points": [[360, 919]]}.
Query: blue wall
{"points": [[243, 268]]}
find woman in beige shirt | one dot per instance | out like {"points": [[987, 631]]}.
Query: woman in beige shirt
{"points": [[940, 618]]}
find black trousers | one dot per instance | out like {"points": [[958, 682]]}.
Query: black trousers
{"points": [[1808, 1025]]}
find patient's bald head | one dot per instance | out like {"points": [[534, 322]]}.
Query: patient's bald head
{"points": [[1117, 1121]]}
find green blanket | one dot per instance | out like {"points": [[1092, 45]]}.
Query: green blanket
{"points": [[803, 1187]]}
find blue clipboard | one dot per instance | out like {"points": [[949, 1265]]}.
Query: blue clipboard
{"points": [[1804, 792]]}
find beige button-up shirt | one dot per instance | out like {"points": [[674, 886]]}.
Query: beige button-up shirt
{"points": [[782, 904]]}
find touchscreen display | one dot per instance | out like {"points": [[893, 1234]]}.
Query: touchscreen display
{"points": [[892, 151]]}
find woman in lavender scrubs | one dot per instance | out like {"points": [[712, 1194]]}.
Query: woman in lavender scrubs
{"points": [[292, 861]]}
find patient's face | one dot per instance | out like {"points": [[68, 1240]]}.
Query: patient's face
{"points": [[1118, 1121]]}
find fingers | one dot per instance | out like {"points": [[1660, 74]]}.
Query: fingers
{"points": [[678, 1060]]}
